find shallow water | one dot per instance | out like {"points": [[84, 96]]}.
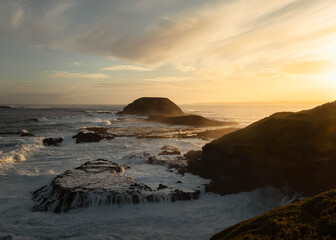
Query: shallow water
{"points": [[26, 165]]}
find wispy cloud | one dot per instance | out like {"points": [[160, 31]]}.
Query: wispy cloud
{"points": [[311, 67], [129, 68], [75, 75]]}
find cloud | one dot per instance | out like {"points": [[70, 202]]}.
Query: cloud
{"points": [[311, 67], [129, 68], [74, 75]]}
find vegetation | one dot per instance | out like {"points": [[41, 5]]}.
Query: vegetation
{"points": [[310, 219]]}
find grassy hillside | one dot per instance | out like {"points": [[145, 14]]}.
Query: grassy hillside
{"points": [[311, 219]]}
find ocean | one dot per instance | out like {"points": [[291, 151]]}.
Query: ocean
{"points": [[26, 165]]}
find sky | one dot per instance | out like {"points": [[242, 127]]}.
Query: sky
{"points": [[191, 51]]}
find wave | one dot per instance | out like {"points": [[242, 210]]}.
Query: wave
{"points": [[18, 154], [73, 119]]}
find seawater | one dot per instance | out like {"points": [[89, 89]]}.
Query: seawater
{"points": [[26, 165]]}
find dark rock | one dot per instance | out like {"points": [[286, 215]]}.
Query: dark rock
{"points": [[216, 133], [310, 219], [170, 150], [188, 120], [287, 150], [52, 141], [179, 182], [5, 107], [152, 106], [181, 195], [25, 133], [91, 137], [98, 130], [193, 155], [100, 182], [161, 186]]}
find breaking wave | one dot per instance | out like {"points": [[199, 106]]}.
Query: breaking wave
{"points": [[17, 154]]}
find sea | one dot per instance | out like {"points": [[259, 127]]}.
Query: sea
{"points": [[26, 165]]}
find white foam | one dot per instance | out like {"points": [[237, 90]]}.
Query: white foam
{"points": [[19, 154]]}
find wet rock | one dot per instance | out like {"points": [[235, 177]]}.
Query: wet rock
{"points": [[52, 141], [170, 150], [98, 130], [100, 182], [161, 186], [146, 106], [25, 133], [179, 182], [91, 137]]}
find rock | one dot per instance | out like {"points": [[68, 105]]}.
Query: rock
{"points": [[170, 150], [146, 106], [91, 137], [5, 107], [161, 186], [25, 133], [216, 133], [310, 219], [52, 141], [294, 151], [188, 120], [98, 130], [193, 155], [100, 182], [179, 182]]}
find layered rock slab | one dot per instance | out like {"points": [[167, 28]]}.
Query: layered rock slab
{"points": [[100, 182]]}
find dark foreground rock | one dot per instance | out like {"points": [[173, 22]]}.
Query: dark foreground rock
{"points": [[52, 141], [146, 106], [101, 182], [4, 106], [293, 151], [91, 137], [188, 120], [310, 219]]}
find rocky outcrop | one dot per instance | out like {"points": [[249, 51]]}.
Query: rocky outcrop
{"points": [[188, 120], [293, 151], [216, 133], [91, 137], [101, 182], [4, 106], [163, 110], [146, 106], [52, 141], [25, 133], [170, 150], [310, 219]]}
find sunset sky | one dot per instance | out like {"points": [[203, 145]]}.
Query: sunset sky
{"points": [[192, 51]]}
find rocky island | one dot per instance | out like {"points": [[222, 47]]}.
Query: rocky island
{"points": [[152, 106], [163, 110]]}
